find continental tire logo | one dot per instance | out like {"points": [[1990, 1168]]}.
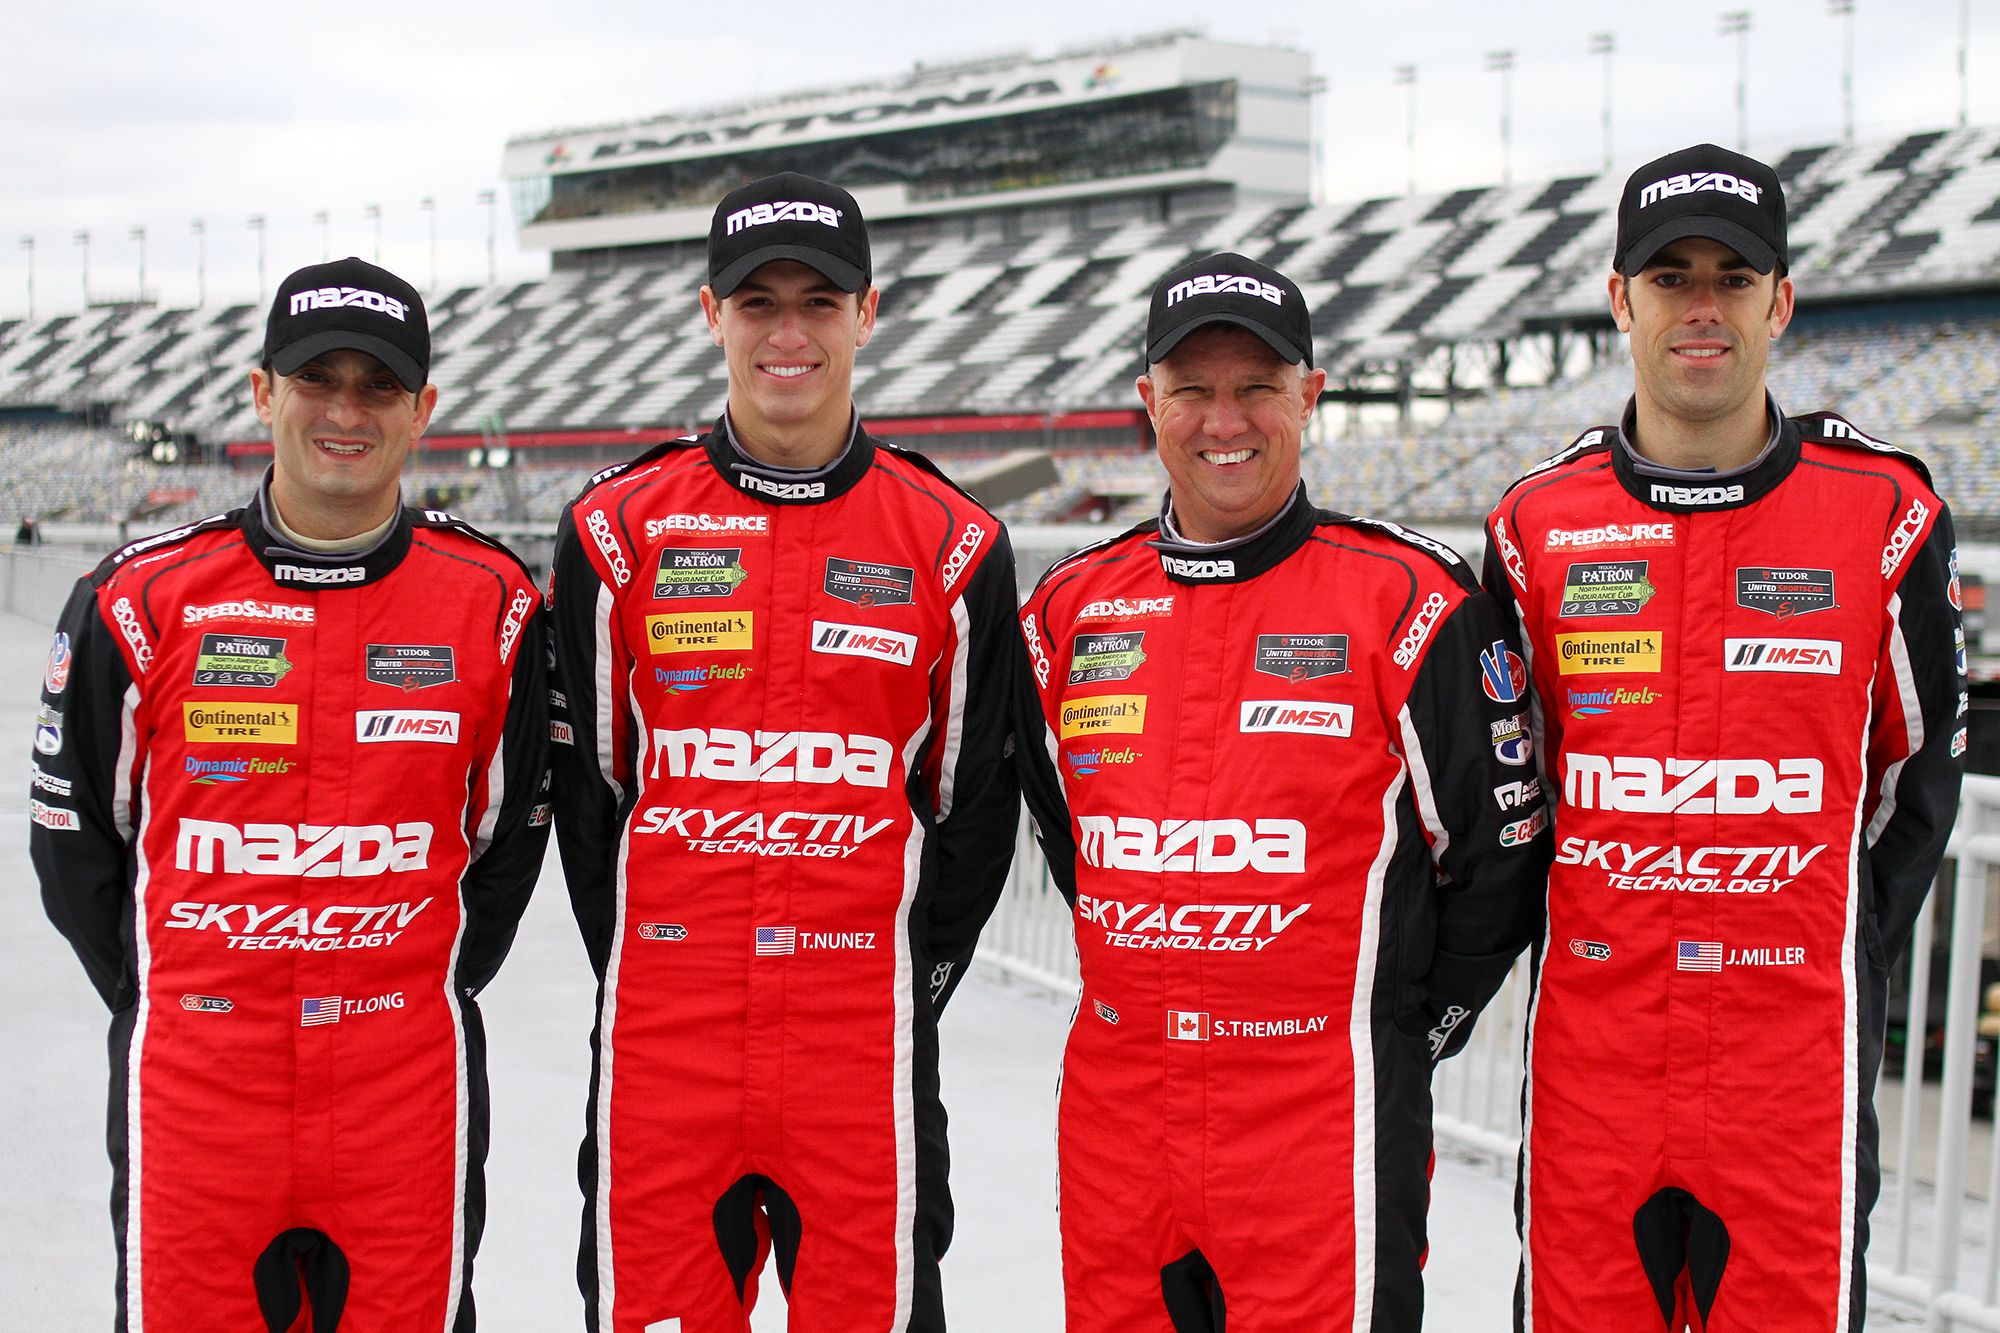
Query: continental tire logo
{"points": [[600, 530], [1102, 713], [1648, 786]]}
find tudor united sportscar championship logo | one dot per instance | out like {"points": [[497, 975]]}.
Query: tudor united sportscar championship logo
{"points": [[866, 583], [1298, 657], [411, 666], [1784, 592]]}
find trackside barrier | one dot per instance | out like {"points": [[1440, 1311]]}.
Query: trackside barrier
{"points": [[1936, 1264], [35, 581]]}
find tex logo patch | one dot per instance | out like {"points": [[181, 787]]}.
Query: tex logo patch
{"points": [[1606, 588], [1784, 592], [865, 583], [1297, 657], [411, 666], [1096, 657], [698, 572], [241, 659]]}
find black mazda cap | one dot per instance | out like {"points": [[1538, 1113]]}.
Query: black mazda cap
{"points": [[1702, 191], [788, 216], [1229, 289], [350, 303]]}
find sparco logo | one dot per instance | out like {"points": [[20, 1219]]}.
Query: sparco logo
{"points": [[1905, 533], [1270, 847], [330, 298], [789, 210], [128, 625], [819, 757], [1222, 283], [600, 529], [1649, 786], [247, 610], [310, 574], [1696, 495], [1690, 183], [782, 490], [316, 851], [961, 554], [1420, 630], [1033, 634], [510, 628], [1198, 569], [1510, 554]]}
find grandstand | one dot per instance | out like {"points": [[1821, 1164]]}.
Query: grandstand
{"points": [[1012, 305]]}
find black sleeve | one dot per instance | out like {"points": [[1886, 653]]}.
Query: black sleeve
{"points": [[591, 770], [81, 834], [1917, 736], [508, 860], [1034, 754], [979, 797], [1481, 801]]}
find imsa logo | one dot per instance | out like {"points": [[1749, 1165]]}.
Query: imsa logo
{"points": [[1807, 657], [863, 641], [1296, 715], [376, 726]]}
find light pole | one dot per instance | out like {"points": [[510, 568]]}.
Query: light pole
{"points": [[83, 240], [1502, 63], [325, 235], [1964, 44], [200, 229], [256, 224], [139, 234], [1736, 23], [373, 213], [1844, 9], [1605, 44], [487, 198], [428, 205], [1406, 76], [28, 244]]}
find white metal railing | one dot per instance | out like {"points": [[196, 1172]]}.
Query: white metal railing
{"points": [[1945, 1268]]}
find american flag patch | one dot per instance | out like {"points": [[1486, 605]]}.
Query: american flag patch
{"points": [[319, 1009], [776, 939], [1699, 956]]}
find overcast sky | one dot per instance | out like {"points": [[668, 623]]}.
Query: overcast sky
{"points": [[121, 114]]}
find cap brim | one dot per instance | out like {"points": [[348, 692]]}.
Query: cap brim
{"points": [[1732, 234], [287, 359], [835, 270], [1158, 348]]}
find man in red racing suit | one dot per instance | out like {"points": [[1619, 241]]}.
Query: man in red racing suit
{"points": [[784, 811], [1748, 675], [1279, 765], [288, 807]]}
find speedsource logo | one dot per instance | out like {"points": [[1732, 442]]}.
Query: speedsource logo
{"points": [[1120, 608], [818, 757], [1650, 786], [660, 527], [1219, 284], [1610, 534], [1693, 182], [1269, 846], [313, 574], [789, 210], [316, 851], [278, 612], [375, 726], [1296, 715], [332, 298]]}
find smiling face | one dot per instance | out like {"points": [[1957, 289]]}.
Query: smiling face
{"points": [[341, 427], [1701, 322], [790, 335], [1229, 414]]}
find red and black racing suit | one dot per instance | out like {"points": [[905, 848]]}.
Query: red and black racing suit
{"points": [[1287, 787], [1750, 696], [288, 809], [785, 814]]}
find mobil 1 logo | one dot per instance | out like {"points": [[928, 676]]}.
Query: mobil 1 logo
{"points": [[865, 583], [1784, 592], [1297, 657], [1606, 588], [704, 572]]}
